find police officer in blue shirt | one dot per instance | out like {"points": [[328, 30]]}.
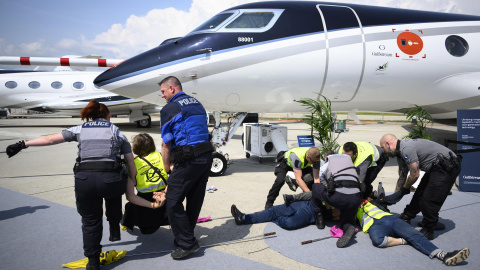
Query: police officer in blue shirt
{"points": [[187, 154]]}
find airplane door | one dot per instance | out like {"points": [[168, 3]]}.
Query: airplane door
{"points": [[345, 52]]}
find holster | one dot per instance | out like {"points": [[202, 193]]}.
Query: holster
{"points": [[183, 153], [448, 163], [330, 186]]}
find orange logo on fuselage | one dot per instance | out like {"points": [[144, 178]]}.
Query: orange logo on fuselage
{"points": [[409, 43]]}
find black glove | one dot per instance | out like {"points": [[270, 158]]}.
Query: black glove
{"points": [[13, 149], [405, 190]]}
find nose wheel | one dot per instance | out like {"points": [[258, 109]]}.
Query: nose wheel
{"points": [[219, 164], [145, 123]]}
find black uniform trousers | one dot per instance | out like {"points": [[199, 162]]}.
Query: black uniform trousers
{"points": [[280, 172], [347, 203], [430, 195], [372, 173], [91, 188], [187, 180]]}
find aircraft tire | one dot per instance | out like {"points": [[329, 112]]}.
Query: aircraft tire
{"points": [[145, 123], [219, 164]]}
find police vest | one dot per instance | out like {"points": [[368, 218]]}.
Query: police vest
{"points": [[97, 141], [147, 178], [342, 174], [192, 129], [301, 153], [364, 150], [367, 214]]}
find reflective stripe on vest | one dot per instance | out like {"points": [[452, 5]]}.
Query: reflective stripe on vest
{"points": [[96, 140], [364, 150], [147, 179], [368, 213], [301, 153]]}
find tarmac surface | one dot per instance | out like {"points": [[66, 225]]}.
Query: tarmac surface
{"points": [[45, 173]]}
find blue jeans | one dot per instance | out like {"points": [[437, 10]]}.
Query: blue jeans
{"points": [[394, 227], [294, 216]]}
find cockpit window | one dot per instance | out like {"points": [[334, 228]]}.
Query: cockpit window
{"points": [[213, 22], [251, 20], [456, 46], [241, 20]]}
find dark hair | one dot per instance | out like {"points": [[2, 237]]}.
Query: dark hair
{"points": [[143, 145], [171, 80], [350, 147], [328, 153], [94, 110]]}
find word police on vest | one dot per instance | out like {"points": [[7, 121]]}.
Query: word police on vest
{"points": [[187, 101], [97, 124]]}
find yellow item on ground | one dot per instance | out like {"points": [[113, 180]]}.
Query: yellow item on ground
{"points": [[106, 257]]}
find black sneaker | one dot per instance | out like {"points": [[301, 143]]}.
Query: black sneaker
{"points": [[456, 257], [180, 253], [237, 215], [438, 227], [346, 237], [290, 183], [288, 199], [427, 234], [405, 218], [268, 205]]}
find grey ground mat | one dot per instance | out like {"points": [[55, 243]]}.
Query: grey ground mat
{"points": [[38, 234], [460, 214]]}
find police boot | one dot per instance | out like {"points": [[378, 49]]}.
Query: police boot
{"points": [[114, 232], [319, 221], [93, 263], [427, 233], [405, 218]]}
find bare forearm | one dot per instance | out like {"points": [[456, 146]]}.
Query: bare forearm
{"points": [[46, 140]]}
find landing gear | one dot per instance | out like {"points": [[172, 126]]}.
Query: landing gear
{"points": [[219, 164], [144, 123]]}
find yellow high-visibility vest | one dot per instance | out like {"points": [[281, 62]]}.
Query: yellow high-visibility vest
{"points": [[147, 179], [368, 213], [301, 153]]}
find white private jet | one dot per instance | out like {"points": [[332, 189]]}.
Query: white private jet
{"points": [[263, 56], [67, 89]]}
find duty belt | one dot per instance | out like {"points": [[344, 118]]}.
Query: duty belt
{"points": [[98, 166], [183, 153]]}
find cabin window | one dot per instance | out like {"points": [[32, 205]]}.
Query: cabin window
{"points": [[251, 20], [34, 84], [11, 84], [78, 85], [456, 46], [213, 22], [57, 85]]}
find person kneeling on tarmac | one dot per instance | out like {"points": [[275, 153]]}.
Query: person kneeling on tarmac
{"points": [[339, 187]]}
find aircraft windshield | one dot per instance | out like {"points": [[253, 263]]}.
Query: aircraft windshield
{"points": [[251, 20], [213, 22]]}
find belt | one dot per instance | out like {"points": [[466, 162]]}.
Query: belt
{"points": [[183, 153], [99, 166]]}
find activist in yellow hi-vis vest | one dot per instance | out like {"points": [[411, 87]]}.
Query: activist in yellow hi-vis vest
{"points": [[368, 213], [148, 179], [145, 209]]}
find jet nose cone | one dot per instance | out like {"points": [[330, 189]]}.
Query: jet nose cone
{"points": [[127, 68]]}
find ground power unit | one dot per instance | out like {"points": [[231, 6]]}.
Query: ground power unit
{"points": [[264, 140]]}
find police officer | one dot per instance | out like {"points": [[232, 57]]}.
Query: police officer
{"points": [[441, 167], [304, 162], [338, 187], [369, 160], [99, 173], [187, 153]]}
